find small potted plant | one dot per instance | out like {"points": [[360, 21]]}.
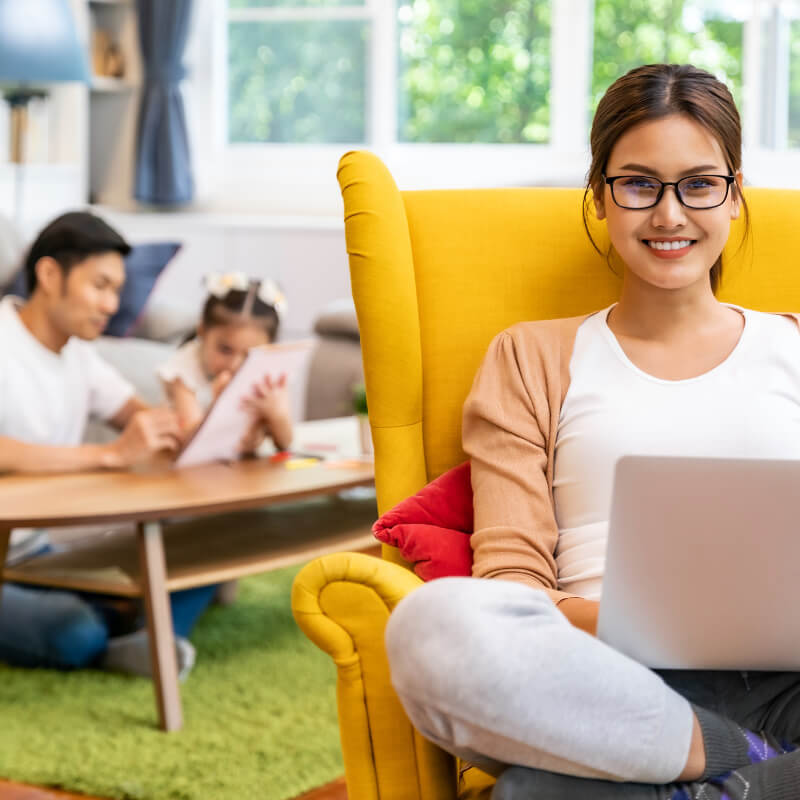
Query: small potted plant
{"points": [[360, 410]]}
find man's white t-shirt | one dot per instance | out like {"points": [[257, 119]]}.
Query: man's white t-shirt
{"points": [[746, 407], [47, 398]]}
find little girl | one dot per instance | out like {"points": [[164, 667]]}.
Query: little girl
{"points": [[240, 313]]}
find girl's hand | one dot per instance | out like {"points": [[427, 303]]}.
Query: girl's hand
{"points": [[269, 406]]}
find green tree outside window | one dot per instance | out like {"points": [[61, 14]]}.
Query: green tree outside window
{"points": [[634, 32], [297, 82], [794, 84], [474, 71]]}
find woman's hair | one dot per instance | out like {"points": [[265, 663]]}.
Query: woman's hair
{"points": [[655, 91], [238, 306]]}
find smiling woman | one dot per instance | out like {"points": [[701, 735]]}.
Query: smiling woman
{"points": [[668, 370]]}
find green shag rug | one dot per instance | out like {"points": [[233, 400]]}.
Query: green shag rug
{"points": [[259, 711]]}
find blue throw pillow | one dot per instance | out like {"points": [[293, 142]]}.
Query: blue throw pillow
{"points": [[143, 265]]}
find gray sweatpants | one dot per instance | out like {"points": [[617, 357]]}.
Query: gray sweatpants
{"points": [[491, 671]]}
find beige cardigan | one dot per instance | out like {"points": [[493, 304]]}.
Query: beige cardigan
{"points": [[510, 424], [509, 432]]}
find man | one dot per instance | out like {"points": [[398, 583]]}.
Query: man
{"points": [[51, 382]]}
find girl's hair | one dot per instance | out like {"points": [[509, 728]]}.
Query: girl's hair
{"points": [[655, 91], [241, 305]]}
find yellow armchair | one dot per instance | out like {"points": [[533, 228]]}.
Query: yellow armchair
{"points": [[435, 275]]}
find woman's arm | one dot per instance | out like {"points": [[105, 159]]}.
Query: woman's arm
{"points": [[581, 613], [505, 433]]}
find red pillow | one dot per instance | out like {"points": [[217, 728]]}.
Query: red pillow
{"points": [[433, 527]]}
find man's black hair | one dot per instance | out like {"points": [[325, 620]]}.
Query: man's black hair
{"points": [[70, 239]]}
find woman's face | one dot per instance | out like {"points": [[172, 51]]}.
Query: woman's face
{"points": [[669, 149]]}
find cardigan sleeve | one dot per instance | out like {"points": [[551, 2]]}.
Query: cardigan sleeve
{"points": [[506, 419]]}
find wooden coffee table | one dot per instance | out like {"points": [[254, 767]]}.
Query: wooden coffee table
{"points": [[300, 515]]}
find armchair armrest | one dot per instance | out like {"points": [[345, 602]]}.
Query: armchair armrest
{"points": [[342, 603]]}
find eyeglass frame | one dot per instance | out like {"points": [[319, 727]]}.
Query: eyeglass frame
{"points": [[609, 181]]}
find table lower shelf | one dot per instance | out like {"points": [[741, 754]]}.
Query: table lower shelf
{"points": [[209, 549]]}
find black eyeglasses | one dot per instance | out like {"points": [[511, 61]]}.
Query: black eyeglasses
{"points": [[700, 192]]}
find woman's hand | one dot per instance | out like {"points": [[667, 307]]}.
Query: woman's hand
{"points": [[269, 406], [581, 613]]}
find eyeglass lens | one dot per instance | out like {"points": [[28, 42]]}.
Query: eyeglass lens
{"points": [[696, 191]]}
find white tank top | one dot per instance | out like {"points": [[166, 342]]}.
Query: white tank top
{"points": [[747, 406]]}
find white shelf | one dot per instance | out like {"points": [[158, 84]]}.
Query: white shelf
{"points": [[113, 103]]}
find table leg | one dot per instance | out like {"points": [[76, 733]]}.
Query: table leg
{"points": [[159, 625]]}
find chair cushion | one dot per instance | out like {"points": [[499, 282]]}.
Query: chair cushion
{"points": [[432, 528]]}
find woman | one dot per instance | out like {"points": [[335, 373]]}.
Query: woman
{"points": [[493, 671]]}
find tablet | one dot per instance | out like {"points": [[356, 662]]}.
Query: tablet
{"points": [[221, 431]]}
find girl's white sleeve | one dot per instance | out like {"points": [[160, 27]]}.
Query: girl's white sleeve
{"points": [[184, 364]]}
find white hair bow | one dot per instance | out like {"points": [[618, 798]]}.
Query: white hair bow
{"points": [[267, 291], [270, 294], [219, 284]]}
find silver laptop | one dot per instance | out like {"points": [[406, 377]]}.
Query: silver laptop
{"points": [[703, 563]]}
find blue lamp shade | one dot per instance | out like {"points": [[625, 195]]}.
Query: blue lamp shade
{"points": [[39, 43]]}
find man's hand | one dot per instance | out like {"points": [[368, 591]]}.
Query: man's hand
{"points": [[148, 432]]}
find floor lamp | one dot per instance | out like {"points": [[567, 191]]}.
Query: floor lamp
{"points": [[38, 45]]}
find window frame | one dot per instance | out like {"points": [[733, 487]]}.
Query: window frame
{"points": [[300, 178]]}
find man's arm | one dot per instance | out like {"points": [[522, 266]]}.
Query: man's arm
{"points": [[122, 417], [17, 456], [146, 433]]}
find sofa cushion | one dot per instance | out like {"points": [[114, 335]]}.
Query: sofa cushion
{"points": [[11, 252], [338, 319], [143, 265], [432, 528]]}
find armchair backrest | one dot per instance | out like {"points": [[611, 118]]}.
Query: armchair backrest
{"points": [[436, 274]]}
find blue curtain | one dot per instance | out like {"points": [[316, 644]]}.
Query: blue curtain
{"points": [[163, 165]]}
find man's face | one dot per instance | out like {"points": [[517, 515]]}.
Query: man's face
{"points": [[82, 302]]}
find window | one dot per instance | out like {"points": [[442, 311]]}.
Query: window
{"points": [[466, 71], [707, 34], [794, 80], [297, 71], [473, 92], [474, 72]]}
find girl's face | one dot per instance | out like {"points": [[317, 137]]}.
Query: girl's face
{"points": [[224, 347], [669, 149]]}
